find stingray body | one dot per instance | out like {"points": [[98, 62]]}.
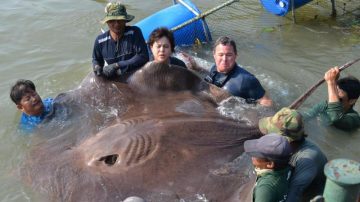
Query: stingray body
{"points": [[157, 136]]}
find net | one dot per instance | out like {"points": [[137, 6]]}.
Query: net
{"points": [[231, 18]]}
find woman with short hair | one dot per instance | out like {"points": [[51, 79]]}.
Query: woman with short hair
{"points": [[162, 45]]}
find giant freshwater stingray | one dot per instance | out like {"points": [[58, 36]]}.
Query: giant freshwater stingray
{"points": [[158, 136]]}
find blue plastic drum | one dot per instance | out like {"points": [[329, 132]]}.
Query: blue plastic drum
{"points": [[173, 16], [282, 7]]}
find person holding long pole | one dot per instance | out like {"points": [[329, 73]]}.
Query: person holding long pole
{"points": [[338, 110]]}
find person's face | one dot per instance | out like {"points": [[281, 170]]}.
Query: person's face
{"points": [[260, 163], [116, 26], [161, 49], [224, 58], [344, 99], [31, 104]]}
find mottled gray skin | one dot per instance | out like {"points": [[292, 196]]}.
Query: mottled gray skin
{"points": [[157, 136]]}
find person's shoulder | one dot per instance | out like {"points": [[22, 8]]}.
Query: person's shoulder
{"points": [[48, 102], [213, 69], [177, 61], [240, 71], [309, 151], [132, 29], [102, 37], [354, 112], [24, 118]]}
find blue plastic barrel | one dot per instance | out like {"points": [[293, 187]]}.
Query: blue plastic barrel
{"points": [[282, 7], [173, 16]]}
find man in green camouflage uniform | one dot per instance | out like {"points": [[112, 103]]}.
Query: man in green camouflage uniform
{"points": [[338, 109], [307, 159]]}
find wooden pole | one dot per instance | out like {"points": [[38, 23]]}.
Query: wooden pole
{"points": [[296, 104]]}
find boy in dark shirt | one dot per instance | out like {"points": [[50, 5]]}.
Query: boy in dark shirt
{"points": [[27, 100], [270, 155]]}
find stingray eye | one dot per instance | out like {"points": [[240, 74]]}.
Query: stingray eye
{"points": [[109, 159]]}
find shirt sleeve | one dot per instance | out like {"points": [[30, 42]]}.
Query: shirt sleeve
{"points": [[255, 89], [313, 111], [335, 115], [97, 57], [141, 56]]}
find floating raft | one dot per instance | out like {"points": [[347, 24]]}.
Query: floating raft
{"points": [[282, 7], [173, 16]]}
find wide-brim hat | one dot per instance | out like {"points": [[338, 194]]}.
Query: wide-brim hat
{"points": [[286, 122], [116, 11]]}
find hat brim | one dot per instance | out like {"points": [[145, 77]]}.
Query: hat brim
{"points": [[127, 18], [252, 149], [250, 146], [262, 125]]}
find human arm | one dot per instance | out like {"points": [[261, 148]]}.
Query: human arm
{"points": [[314, 111], [191, 64], [258, 93], [139, 49], [265, 100], [331, 77], [97, 58], [322, 107], [339, 116]]}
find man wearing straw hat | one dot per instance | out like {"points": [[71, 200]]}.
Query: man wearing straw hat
{"points": [[307, 159], [120, 50]]}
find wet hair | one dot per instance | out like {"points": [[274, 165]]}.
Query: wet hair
{"points": [[160, 32], [351, 86], [225, 41], [20, 88]]}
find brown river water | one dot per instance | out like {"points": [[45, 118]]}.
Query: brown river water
{"points": [[50, 42]]}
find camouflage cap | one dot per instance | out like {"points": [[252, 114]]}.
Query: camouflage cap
{"points": [[116, 11], [286, 122]]}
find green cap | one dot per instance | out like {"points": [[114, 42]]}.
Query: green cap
{"points": [[116, 11], [286, 122]]}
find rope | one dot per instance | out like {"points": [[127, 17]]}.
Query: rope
{"points": [[202, 15]]}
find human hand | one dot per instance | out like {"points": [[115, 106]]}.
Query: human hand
{"points": [[121, 71], [189, 61], [332, 75], [110, 70], [97, 70]]}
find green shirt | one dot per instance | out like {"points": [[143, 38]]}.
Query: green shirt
{"points": [[272, 186], [333, 114]]}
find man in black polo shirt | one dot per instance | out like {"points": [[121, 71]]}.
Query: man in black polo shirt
{"points": [[120, 50]]}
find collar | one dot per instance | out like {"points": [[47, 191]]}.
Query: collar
{"points": [[217, 78]]}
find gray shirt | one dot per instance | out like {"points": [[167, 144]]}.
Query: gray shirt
{"points": [[308, 162]]}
